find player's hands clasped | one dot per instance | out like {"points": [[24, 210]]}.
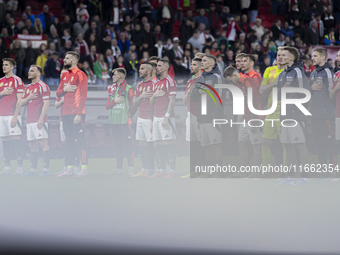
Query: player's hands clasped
{"points": [[146, 94], [33, 95], [159, 93]]}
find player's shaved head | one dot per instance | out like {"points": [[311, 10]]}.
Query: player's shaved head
{"points": [[165, 62], [154, 59], [199, 55], [148, 66], [38, 68], [119, 70], [74, 54]]}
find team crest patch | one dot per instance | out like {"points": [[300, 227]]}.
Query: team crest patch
{"points": [[149, 88], [35, 90], [140, 88], [1, 84], [28, 91], [10, 84], [72, 78]]}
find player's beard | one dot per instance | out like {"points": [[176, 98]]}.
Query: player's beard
{"points": [[67, 66]]}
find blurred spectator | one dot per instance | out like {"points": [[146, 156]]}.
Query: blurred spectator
{"points": [[205, 35], [6, 39], [158, 34], [46, 19], [329, 21], [177, 6], [115, 49], [105, 43], [22, 21], [132, 68], [165, 17], [187, 60], [89, 73], [111, 31], [308, 66], [80, 42], [175, 50], [253, 10], [159, 50], [92, 41], [336, 5], [181, 73], [207, 46], [293, 14], [214, 49], [232, 29], [96, 8], [137, 36], [202, 19], [30, 58], [312, 34], [259, 29], [145, 9], [220, 63], [67, 47], [9, 9], [145, 57], [195, 41], [330, 38], [148, 36], [110, 60], [214, 19], [297, 29], [101, 70], [319, 25], [51, 48], [37, 27], [276, 29], [265, 64], [126, 55], [41, 61], [114, 15], [29, 27], [20, 55], [52, 70], [4, 53], [93, 54], [69, 7], [66, 37], [81, 10], [226, 16], [53, 37], [12, 29], [244, 24], [287, 31], [56, 25], [67, 24], [80, 27], [276, 6], [230, 58], [244, 42], [123, 44], [119, 63]]}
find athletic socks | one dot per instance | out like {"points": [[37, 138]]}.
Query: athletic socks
{"points": [[17, 146], [34, 159], [151, 156], [161, 157], [46, 156], [144, 156], [7, 147], [171, 149]]}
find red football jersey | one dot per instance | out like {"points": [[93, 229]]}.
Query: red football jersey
{"points": [[8, 103], [145, 106], [34, 107], [256, 77], [169, 86], [192, 106], [74, 102]]}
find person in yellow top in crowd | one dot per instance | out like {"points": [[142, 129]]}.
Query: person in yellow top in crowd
{"points": [[41, 61], [271, 132]]}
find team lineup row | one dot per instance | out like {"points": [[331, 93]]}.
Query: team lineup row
{"points": [[156, 124]]}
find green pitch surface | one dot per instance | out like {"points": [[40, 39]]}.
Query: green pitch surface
{"points": [[214, 214]]}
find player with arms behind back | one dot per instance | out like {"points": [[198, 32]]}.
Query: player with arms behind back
{"points": [[11, 90], [37, 99]]}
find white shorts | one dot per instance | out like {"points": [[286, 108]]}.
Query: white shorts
{"points": [[337, 128], [5, 126], [292, 135], [34, 133], [210, 135], [246, 133], [143, 131], [193, 133], [62, 133], [161, 133]]}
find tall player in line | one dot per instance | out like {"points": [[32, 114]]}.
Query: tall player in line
{"points": [[192, 130], [37, 99], [73, 87], [11, 91], [248, 62], [143, 93], [322, 108], [163, 130], [271, 133], [293, 137]]}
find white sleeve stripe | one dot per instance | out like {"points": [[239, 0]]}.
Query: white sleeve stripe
{"points": [[170, 80], [299, 76], [330, 79], [46, 97], [43, 85], [173, 93], [17, 78]]}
